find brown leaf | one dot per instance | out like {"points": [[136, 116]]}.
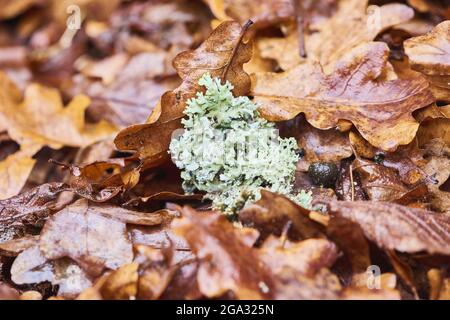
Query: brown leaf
{"points": [[15, 247], [226, 262], [15, 170], [353, 24], [263, 13], [430, 55], [11, 9], [42, 120], [306, 257], [319, 145], [83, 234], [155, 271], [29, 208], [222, 55], [348, 185], [381, 183], [8, 293], [350, 239], [272, 212], [395, 227], [438, 167], [121, 284], [380, 110]]}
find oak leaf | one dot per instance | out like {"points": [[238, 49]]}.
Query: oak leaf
{"points": [[353, 24], [222, 55], [89, 236], [15, 170], [395, 227], [42, 120], [227, 262], [29, 208], [380, 109]]}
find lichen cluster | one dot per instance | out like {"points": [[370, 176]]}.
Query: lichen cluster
{"points": [[230, 152]]}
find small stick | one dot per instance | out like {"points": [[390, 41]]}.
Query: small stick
{"points": [[284, 234], [352, 182], [299, 13]]}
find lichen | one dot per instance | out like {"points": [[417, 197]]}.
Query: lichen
{"points": [[230, 152]]}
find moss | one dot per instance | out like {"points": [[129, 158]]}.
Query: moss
{"points": [[230, 152]]}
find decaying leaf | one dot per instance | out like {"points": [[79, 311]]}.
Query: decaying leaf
{"points": [[395, 227], [272, 212], [15, 170], [222, 55], [430, 55], [28, 208], [84, 234], [42, 120], [380, 110], [227, 262], [354, 23]]}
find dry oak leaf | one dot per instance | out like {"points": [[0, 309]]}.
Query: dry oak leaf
{"points": [[42, 120], [15, 170], [353, 24], [380, 109], [222, 54], [227, 263], [263, 13], [430, 55], [396, 227], [11, 9]]}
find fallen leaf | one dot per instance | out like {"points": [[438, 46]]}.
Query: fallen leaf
{"points": [[354, 23], [395, 227], [272, 212], [222, 54], [226, 262], [29, 208], [10, 9], [15, 169], [86, 236], [430, 55], [42, 120], [318, 145], [380, 110], [306, 257]]}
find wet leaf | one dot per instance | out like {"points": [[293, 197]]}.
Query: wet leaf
{"points": [[352, 92], [223, 55], [272, 212], [83, 234], [227, 263], [28, 208], [429, 54], [395, 227]]}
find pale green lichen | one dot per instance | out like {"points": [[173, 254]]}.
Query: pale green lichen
{"points": [[230, 152]]}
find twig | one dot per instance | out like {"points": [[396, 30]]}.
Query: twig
{"points": [[299, 13], [352, 182]]}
